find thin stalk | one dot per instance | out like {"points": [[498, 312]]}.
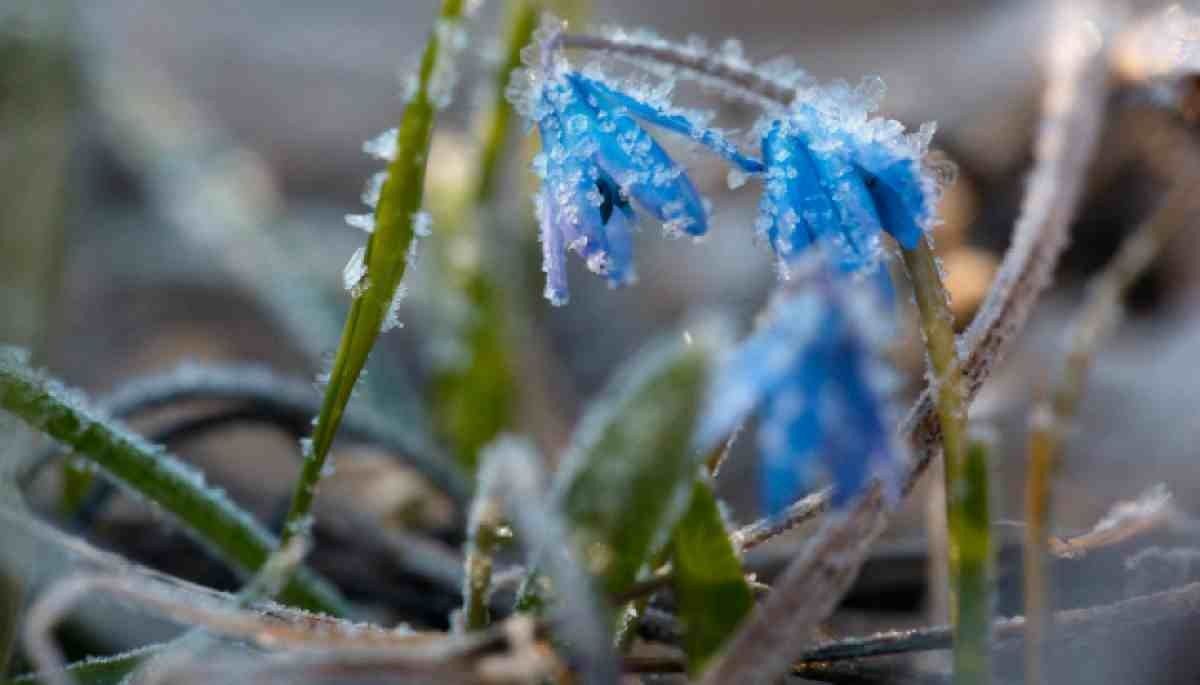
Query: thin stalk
{"points": [[970, 524], [385, 261], [472, 400], [961, 484], [149, 471], [522, 21], [487, 532], [1052, 417]]}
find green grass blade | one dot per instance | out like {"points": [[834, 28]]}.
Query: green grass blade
{"points": [[709, 583], [108, 670], [386, 260], [473, 395], [148, 470]]}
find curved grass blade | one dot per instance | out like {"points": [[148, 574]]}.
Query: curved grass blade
{"points": [[385, 262], [108, 670], [709, 584], [148, 470]]}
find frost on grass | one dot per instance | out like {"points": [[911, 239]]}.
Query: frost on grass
{"points": [[143, 469], [354, 274]]}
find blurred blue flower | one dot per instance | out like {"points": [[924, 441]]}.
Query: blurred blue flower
{"points": [[812, 375], [595, 158], [837, 176]]}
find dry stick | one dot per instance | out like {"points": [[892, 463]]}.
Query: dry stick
{"points": [[1051, 419], [1087, 624], [183, 606]]}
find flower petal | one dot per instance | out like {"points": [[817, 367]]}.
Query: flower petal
{"points": [[678, 122]]}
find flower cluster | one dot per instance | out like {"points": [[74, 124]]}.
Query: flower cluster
{"points": [[834, 177], [813, 376]]}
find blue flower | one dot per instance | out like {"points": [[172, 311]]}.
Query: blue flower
{"points": [[812, 375], [836, 176], [596, 158]]}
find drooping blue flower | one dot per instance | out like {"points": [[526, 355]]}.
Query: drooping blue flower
{"points": [[837, 176], [597, 161], [812, 375]]}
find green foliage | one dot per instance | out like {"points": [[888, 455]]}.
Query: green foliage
{"points": [[473, 397], [148, 470], [709, 585], [628, 473], [474, 402], [386, 261], [99, 671]]}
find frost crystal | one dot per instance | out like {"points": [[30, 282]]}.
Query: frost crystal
{"points": [[365, 222], [391, 320], [422, 224], [382, 146], [354, 274], [813, 376]]}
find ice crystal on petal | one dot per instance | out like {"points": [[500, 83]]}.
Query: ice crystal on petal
{"points": [[813, 376], [845, 176], [597, 162]]}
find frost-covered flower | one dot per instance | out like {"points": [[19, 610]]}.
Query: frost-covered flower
{"points": [[835, 175], [596, 157], [813, 376]]}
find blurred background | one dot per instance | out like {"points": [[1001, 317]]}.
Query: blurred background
{"points": [[174, 176]]}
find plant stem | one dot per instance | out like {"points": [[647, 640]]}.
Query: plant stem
{"points": [[149, 471], [970, 524], [385, 261], [962, 484], [1052, 417], [522, 21], [486, 528]]}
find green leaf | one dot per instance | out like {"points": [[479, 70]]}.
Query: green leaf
{"points": [[386, 260], [625, 479], [474, 402], [148, 470], [108, 670], [709, 584]]}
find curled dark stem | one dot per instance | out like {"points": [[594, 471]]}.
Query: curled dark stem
{"points": [[286, 402]]}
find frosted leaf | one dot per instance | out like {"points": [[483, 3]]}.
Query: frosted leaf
{"points": [[355, 271], [422, 224], [382, 146], [364, 222]]}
